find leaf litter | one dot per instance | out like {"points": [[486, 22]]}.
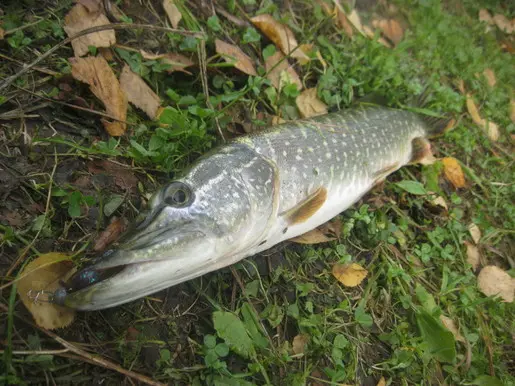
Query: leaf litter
{"points": [[493, 281], [139, 93], [175, 61], [233, 54], [350, 275], [309, 105], [453, 172], [278, 68], [173, 12]]}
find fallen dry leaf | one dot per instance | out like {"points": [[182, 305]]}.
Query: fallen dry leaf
{"points": [[485, 16], [173, 13], [350, 275], [493, 281], [107, 53], [382, 382], [473, 255], [343, 21], [280, 34], [309, 105], [491, 129], [299, 344], [91, 5], [277, 120], [390, 28], [475, 232], [449, 324], [2, 33], [503, 23], [276, 72], [78, 19], [177, 62], [355, 20], [96, 72], [453, 173], [512, 110], [109, 235], [490, 77], [139, 93], [315, 236], [44, 273], [370, 33], [440, 201], [234, 54]]}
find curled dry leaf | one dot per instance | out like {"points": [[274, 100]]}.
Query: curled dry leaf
{"points": [[233, 54], [350, 275], [299, 344], [280, 34], [449, 324], [494, 281], [139, 93], [473, 255], [315, 236], [475, 232], [452, 172], [109, 235], [275, 66], [173, 13], [44, 273], [490, 77], [78, 19], [177, 62], [309, 105], [491, 129], [96, 72], [390, 28]]}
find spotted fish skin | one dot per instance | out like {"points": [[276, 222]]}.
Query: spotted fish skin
{"points": [[248, 195]]}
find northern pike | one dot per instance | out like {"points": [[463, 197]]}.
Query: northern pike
{"points": [[249, 195]]}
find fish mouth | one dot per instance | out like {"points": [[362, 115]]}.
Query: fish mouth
{"points": [[138, 268]]}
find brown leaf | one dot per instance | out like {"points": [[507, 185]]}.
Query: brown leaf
{"points": [[123, 176], [370, 33], [494, 281], [44, 273], [309, 105], [299, 344], [350, 275], [280, 34], [342, 20], [107, 53], [78, 19], [390, 28], [109, 235], [453, 173], [512, 110], [177, 62], [485, 16], [233, 54], [276, 120], [2, 33], [91, 5], [138, 92], [491, 129], [473, 255], [475, 232], [12, 217], [315, 236], [449, 324], [490, 77], [96, 72], [504, 24], [173, 13], [277, 72], [355, 20]]}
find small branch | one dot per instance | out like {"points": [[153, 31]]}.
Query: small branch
{"points": [[116, 26]]}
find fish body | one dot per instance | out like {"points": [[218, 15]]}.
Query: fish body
{"points": [[253, 193]]}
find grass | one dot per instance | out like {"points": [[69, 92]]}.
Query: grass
{"points": [[239, 326]]}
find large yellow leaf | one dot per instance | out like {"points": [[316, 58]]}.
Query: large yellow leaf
{"points": [[350, 275], [453, 173]]}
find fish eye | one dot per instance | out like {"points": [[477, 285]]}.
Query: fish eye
{"points": [[178, 195]]}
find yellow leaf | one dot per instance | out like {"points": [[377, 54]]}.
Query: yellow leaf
{"points": [[473, 255], [44, 273], [453, 173], [490, 77], [512, 110], [173, 13], [276, 65], [233, 54], [299, 344], [80, 18], [138, 92], [314, 236], [449, 324], [95, 71], [390, 28], [382, 382], [494, 281], [491, 129], [350, 275], [475, 232], [309, 105], [280, 34], [355, 20], [176, 62]]}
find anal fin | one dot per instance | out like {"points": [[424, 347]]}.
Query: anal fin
{"points": [[381, 174], [307, 208], [421, 152]]}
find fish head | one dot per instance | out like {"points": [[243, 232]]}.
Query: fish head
{"points": [[193, 225]]}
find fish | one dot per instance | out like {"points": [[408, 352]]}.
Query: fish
{"points": [[251, 194]]}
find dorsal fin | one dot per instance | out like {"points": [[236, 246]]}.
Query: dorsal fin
{"points": [[307, 208]]}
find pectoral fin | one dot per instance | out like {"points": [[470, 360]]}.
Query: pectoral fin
{"points": [[421, 152], [307, 208]]}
